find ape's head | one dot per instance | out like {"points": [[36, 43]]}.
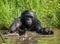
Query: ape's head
{"points": [[28, 17]]}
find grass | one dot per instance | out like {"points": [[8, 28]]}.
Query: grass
{"points": [[47, 11]]}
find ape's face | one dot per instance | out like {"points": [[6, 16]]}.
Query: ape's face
{"points": [[29, 20], [28, 17]]}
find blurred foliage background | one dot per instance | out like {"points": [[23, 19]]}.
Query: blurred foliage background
{"points": [[47, 11]]}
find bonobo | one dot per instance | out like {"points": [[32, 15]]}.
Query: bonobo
{"points": [[28, 22]]}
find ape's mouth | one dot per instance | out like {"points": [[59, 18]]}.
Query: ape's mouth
{"points": [[29, 24]]}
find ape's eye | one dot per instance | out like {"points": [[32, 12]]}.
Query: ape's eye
{"points": [[30, 16]]}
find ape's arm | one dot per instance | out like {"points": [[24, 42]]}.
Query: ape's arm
{"points": [[16, 24], [41, 30]]}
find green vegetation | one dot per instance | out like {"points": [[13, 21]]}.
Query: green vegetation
{"points": [[47, 11]]}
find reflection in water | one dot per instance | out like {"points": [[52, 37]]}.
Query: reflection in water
{"points": [[33, 38], [27, 38]]}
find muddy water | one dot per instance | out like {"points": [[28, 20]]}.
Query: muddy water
{"points": [[32, 38]]}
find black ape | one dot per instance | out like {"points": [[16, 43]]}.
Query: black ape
{"points": [[28, 21]]}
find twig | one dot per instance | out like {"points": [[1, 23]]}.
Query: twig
{"points": [[2, 38]]}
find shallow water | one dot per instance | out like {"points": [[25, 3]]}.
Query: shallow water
{"points": [[32, 38]]}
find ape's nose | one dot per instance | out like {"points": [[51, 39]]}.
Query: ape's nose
{"points": [[29, 21]]}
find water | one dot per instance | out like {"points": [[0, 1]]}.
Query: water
{"points": [[32, 38]]}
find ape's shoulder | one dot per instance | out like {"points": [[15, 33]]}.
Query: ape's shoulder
{"points": [[18, 19], [37, 22]]}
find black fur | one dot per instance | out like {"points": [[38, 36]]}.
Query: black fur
{"points": [[28, 21]]}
